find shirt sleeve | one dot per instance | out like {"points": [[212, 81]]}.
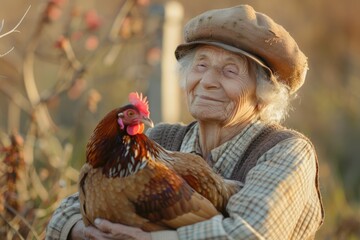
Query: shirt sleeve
{"points": [[64, 218], [278, 201]]}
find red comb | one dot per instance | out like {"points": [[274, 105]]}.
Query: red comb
{"points": [[140, 102]]}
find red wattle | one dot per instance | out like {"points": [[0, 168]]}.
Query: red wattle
{"points": [[135, 129]]}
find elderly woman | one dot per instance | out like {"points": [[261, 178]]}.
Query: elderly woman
{"points": [[239, 69]]}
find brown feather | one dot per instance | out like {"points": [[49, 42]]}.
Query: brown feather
{"points": [[198, 174]]}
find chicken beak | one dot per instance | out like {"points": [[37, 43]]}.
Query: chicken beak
{"points": [[147, 121]]}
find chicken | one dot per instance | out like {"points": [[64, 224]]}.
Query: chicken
{"points": [[130, 179]]}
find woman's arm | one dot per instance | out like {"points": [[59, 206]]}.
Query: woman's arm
{"points": [[64, 218], [66, 223]]}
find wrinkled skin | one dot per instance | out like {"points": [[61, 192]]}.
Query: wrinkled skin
{"points": [[221, 95], [220, 87]]}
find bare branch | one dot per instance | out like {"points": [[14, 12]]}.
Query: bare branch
{"points": [[3, 54], [2, 25], [16, 26], [12, 30], [26, 222], [16, 97], [119, 19], [12, 227]]}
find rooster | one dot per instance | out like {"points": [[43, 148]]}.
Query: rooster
{"points": [[130, 179]]}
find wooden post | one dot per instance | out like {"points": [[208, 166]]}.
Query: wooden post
{"points": [[170, 87]]}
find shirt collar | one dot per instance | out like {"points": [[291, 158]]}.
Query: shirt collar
{"points": [[231, 151]]}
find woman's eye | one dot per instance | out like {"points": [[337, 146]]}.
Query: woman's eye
{"points": [[201, 66], [231, 70]]}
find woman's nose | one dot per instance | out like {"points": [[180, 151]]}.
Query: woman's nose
{"points": [[210, 79]]}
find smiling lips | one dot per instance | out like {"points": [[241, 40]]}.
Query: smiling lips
{"points": [[204, 97]]}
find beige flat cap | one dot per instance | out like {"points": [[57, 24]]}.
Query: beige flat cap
{"points": [[242, 30]]}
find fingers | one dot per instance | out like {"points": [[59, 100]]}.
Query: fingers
{"points": [[105, 229], [103, 225], [92, 233], [102, 230]]}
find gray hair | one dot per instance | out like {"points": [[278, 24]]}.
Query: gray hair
{"points": [[273, 96]]}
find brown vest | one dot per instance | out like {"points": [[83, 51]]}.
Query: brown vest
{"points": [[170, 136]]}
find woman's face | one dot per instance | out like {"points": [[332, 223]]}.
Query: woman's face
{"points": [[220, 87]]}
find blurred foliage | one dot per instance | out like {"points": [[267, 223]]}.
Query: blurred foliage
{"points": [[62, 67], [72, 61]]}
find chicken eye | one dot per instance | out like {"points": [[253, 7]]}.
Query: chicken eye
{"points": [[130, 113]]}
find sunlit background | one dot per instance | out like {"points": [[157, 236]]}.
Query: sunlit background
{"points": [[67, 63]]}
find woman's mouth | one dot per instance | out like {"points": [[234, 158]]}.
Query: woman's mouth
{"points": [[208, 98]]}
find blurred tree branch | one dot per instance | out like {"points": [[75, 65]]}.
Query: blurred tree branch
{"points": [[61, 56], [14, 29], [113, 33]]}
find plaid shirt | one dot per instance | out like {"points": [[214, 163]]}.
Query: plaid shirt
{"points": [[279, 200], [64, 218]]}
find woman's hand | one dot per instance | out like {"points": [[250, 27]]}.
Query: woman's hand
{"points": [[107, 230]]}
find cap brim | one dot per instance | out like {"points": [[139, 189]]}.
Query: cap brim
{"points": [[183, 49]]}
